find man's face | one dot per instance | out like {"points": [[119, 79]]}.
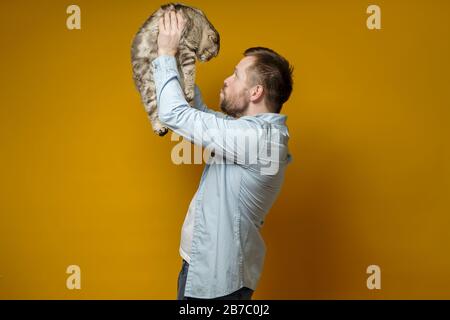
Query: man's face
{"points": [[234, 96]]}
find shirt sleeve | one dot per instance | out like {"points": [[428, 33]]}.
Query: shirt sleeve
{"points": [[230, 138]]}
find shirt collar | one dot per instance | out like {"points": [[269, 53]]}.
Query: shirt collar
{"points": [[275, 118]]}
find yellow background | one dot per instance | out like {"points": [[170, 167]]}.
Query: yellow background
{"points": [[85, 181]]}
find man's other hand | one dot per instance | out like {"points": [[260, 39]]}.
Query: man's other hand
{"points": [[171, 25]]}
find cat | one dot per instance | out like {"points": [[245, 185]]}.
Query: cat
{"points": [[199, 39]]}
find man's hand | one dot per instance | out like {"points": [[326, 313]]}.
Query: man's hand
{"points": [[170, 27]]}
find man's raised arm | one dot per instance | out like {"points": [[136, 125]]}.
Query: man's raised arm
{"points": [[208, 128]]}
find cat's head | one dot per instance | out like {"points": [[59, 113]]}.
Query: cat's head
{"points": [[209, 44]]}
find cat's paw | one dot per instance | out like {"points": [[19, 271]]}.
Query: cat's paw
{"points": [[190, 96], [161, 131]]}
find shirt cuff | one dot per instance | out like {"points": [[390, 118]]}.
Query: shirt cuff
{"points": [[165, 67]]}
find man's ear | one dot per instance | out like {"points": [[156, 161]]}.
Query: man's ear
{"points": [[257, 93]]}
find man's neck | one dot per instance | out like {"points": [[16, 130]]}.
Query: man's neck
{"points": [[256, 109]]}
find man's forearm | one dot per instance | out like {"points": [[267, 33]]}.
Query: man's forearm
{"points": [[168, 90]]}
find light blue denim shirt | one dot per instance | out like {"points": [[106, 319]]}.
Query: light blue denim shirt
{"points": [[238, 186]]}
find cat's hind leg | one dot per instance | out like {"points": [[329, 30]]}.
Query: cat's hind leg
{"points": [[149, 100], [158, 127]]}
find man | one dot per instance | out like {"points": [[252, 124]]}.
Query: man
{"points": [[221, 246]]}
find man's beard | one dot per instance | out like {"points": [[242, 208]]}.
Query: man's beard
{"points": [[234, 107]]}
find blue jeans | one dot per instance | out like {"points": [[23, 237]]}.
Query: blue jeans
{"points": [[243, 293]]}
